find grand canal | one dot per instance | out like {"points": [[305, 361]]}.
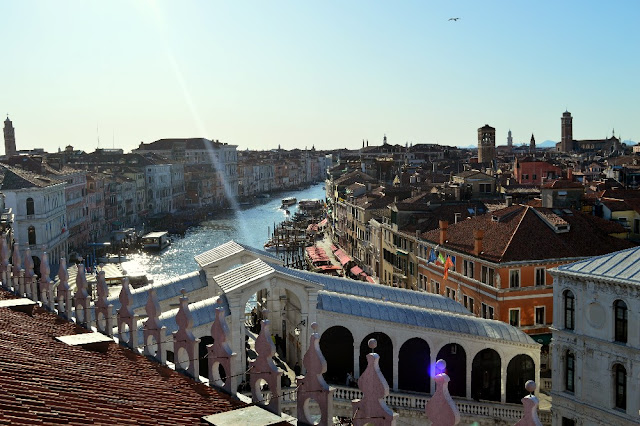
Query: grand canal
{"points": [[250, 225]]}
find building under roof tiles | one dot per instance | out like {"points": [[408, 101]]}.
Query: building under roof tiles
{"points": [[524, 233], [15, 178], [45, 381]]}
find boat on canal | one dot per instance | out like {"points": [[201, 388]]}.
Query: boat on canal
{"points": [[289, 201], [156, 241]]}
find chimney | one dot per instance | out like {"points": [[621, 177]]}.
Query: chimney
{"points": [[478, 234], [456, 217], [509, 200], [570, 175], [443, 231]]}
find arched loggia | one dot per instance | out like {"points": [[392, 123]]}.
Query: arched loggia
{"points": [[456, 358], [414, 367], [520, 369], [336, 344], [384, 349], [485, 375]]}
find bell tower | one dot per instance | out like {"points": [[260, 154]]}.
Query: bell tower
{"points": [[9, 138], [486, 144], [566, 126]]}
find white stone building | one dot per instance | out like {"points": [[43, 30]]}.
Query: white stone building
{"points": [[39, 208], [221, 156], [158, 178], [488, 360], [596, 341]]}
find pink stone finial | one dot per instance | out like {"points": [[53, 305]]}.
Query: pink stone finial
{"points": [[313, 385], [530, 386], [154, 333], [530, 407], [127, 324], [374, 389], [441, 409], [219, 353], [373, 344], [64, 293], [263, 368], [104, 322], [185, 344]]}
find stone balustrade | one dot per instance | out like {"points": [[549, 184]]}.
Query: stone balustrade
{"points": [[343, 396]]}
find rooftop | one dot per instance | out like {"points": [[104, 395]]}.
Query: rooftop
{"points": [[45, 381]]}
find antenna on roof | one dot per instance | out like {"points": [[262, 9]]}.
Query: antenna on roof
{"points": [[98, 135]]}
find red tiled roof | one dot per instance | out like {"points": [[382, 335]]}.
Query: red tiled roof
{"points": [[44, 381], [519, 234]]}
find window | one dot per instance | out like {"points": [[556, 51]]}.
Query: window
{"points": [[569, 310], [540, 315], [32, 235], [620, 309], [621, 386], [569, 373], [487, 311], [468, 302], [451, 293], [30, 206], [486, 275], [534, 176], [541, 276], [468, 268], [514, 317], [568, 422], [435, 287], [514, 278]]}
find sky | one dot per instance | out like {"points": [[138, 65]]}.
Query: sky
{"points": [[328, 74]]}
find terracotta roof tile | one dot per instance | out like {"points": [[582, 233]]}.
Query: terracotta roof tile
{"points": [[45, 381], [517, 233]]}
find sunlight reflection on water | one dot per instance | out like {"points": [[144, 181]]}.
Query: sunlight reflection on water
{"points": [[249, 226]]}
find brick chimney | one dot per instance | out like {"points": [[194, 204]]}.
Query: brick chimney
{"points": [[478, 235], [443, 231]]}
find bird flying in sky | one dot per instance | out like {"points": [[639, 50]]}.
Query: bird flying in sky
{"points": [[453, 19]]}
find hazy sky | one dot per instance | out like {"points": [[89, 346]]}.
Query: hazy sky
{"points": [[325, 73]]}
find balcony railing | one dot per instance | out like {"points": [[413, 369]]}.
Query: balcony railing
{"points": [[471, 410]]}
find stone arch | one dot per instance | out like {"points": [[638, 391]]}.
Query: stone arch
{"points": [[31, 235], [30, 206], [520, 369], [456, 358], [202, 355], [486, 378], [414, 366], [336, 344], [36, 266], [384, 349]]}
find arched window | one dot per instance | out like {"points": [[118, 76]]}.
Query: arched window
{"points": [[570, 372], [620, 376], [569, 310], [32, 235], [620, 312], [30, 206]]}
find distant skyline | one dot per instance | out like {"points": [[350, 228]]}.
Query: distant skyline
{"points": [[327, 74]]}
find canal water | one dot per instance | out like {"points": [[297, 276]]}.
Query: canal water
{"points": [[250, 225]]}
